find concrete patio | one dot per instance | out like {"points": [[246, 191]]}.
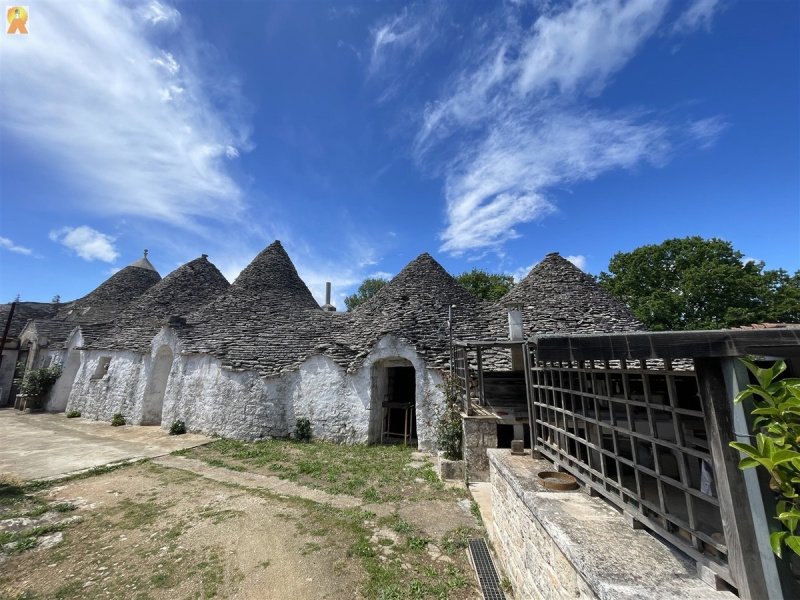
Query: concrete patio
{"points": [[42, 445]]}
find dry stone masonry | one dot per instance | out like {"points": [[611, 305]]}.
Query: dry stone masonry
{"points": [[246, 360]]}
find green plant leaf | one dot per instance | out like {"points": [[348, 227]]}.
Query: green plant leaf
{"points": [[748, 463], [793, 541], [746, 449], [784, 456], [776, 542]]}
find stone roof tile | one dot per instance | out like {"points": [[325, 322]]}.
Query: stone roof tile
{"points": [[183, 291], [557, 297]]}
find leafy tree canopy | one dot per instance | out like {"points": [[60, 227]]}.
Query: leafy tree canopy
{"points": [[489, 286], [368, 288], [695, 283]]}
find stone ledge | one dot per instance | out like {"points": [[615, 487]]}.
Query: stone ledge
{"points": [[615, 561]]}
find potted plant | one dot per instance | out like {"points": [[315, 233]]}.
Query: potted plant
{"points": [[37, 384]]}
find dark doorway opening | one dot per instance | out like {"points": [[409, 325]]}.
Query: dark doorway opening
{"points": [[505, 435], [399, 404]]}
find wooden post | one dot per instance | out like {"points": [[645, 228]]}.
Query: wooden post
{"points": [[737, 521], [481, 400], [736, 379], [526, 361]]}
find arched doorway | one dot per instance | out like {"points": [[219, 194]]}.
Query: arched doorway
{"points": [[394, 401], [63, 386], [156, 387]]}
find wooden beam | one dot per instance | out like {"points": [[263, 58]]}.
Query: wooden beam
{"points": [[668, 345], [737, 521]]}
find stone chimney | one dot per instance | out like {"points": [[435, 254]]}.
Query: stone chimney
{"points": [[515, 334], [328, 307]]}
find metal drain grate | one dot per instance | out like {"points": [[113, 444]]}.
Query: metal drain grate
{"points": [[484, 567]]}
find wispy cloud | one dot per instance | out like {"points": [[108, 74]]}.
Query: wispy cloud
{"points": [[520, 273], [698, 16], [579, 260], [157, 13], [12, 247], [581, 47], [519, 122], [402, 38], [87, 243], [706, 131], [135, 125]]}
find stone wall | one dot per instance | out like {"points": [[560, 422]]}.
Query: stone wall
{"points": [[213, 399], [555, 545], [117, 391], [480, 433]]}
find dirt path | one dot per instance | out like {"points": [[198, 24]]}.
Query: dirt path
{"points": [[256, 480], [179, 528], [151, 533]]}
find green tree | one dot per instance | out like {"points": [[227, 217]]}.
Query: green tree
{"points": [[784, 303], [368, 288], [489, 286], [694, 283]]}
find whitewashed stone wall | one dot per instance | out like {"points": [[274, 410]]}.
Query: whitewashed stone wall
{"points": [[70, 361], [212, 399], [118, 391]]}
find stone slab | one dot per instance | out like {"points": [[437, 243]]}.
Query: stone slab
{"points": [[586, 544], [43, 445]]}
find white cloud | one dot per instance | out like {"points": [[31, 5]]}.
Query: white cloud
{"points": [[698, 15], [521, 124], [579, 260], [403, 37], [502, 181], [580, 48], [12, 247], [706, 131], [133, 125], [381, 275], [522, 272], [87, 243], [158, 14]]}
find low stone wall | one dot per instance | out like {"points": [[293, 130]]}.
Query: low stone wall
{"points": [[480, 433], [555, 545]]}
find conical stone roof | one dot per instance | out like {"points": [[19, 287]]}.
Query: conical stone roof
{"points": [[557, 297], [110, 297], [187, 288], [273, 279], [414, 305], [24, 312], [267, 321]]}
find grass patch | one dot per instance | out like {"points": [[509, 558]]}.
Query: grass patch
{"points": [[137, 515], [215, 462], [377, 473], [310, 548], [218, 516]]}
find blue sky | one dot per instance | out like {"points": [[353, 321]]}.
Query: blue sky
{"points": [[361, 134]]}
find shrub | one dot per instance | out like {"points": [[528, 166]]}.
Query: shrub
{"points": [[448, 429], [73, 414], [38, 382], [302, 430], [777, 434], [117, 420], [177, 428]]}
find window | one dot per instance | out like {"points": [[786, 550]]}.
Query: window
{"points": [[102, 367]]}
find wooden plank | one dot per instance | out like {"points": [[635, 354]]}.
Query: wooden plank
{"points": [[668, 344], [737, 521], [481, 398]]}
